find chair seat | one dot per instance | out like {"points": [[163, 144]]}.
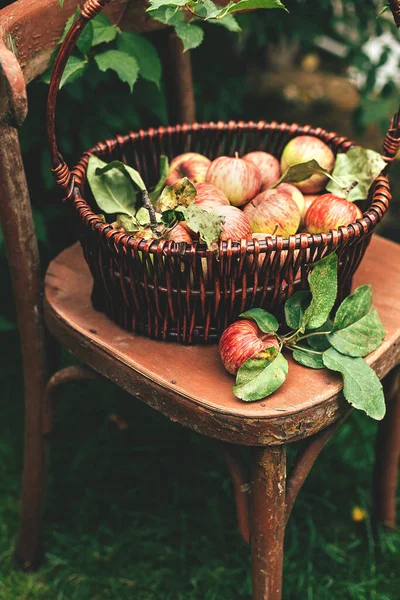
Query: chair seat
{"points": [[189, 383]]}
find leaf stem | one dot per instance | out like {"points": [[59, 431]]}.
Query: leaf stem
{"points": [[303, 349], [303, 337], [291, 336], [193, 12]]}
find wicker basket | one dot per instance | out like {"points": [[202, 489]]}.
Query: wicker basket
{"points": [[186, 292]]}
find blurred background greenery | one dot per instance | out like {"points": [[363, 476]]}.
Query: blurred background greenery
{"points": [[140, 508]]}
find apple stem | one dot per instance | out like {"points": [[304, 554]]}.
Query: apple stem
{"points": [[236, 154]]}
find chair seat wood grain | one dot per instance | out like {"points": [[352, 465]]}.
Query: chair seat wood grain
{"points": [[189, 384]]}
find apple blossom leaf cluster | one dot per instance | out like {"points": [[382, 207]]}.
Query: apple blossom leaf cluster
{"points": [[319, 339]]}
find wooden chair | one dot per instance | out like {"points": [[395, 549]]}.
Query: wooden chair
{"points": [[199, 394]]}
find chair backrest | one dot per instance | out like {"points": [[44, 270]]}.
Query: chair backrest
{"points": [[29, 32]]}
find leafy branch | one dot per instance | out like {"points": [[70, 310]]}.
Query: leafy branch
{"points": [[181, 15], [317, 342], [116, 187], [103, 44]]}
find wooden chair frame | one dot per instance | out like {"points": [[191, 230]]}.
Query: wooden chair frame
{"points": [[23, 56]]}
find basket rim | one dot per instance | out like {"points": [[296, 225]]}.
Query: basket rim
{"points": [[381, 197]]}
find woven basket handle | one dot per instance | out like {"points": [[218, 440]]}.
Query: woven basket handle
{"points": [[62, 173], [91, 9]]}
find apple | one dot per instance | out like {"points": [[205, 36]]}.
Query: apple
{"points": [[240, 341], [268, 166], [208, 194], [179, 233], [239, 179], [273, 212], [307, 147], [294, 193], [192, 165], [329, 212], [236, 225], [308, 200]]}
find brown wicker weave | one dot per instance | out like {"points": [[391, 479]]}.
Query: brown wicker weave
{"points": [[186, 292]]}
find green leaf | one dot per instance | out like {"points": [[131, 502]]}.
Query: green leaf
{"points": [[190, 35], [234, 6], [111, 189], [301, 171], [125, 66], [144, 53], [354, 307], [69, 24], [103, 30], [61, 3], [295, 307], [208, 9], [320, 342], [308, 359], [164, 167], [358, 163], [208, 225], [181, 193], [155, 4], [130, 172], [84, 42], [127, 222], [260, 376], [323, 286], [166, 14], [362, 387], [229, 22], [265, 321], [359, 338], [172, 216], [73, 69], [143, 218]]}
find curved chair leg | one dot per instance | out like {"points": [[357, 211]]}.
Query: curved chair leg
{"points": [[387, 458], [241, 486], [267, 521], [23, 259], [35, 466]]}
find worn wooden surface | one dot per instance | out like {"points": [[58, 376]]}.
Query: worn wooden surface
{"points": [[23, 259], [190, 384], [267, 521], [387, 456]]}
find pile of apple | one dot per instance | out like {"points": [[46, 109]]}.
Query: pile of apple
{"points": [[243, 192]]}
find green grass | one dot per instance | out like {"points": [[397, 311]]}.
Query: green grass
{"points": [[147, 513]]}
